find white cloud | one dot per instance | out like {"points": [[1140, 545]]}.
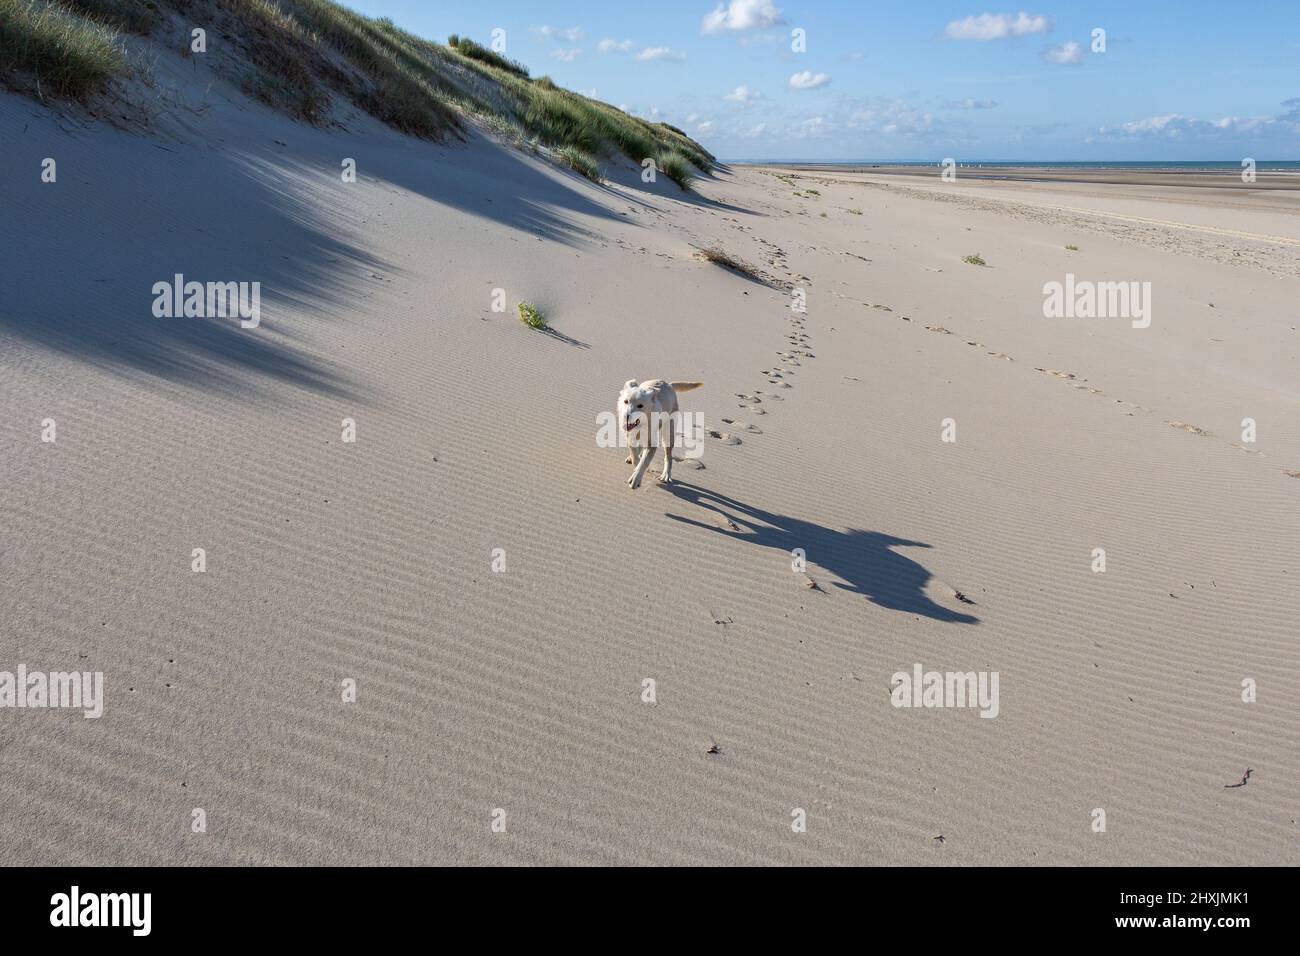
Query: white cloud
{"points": [[571, 34], [996, 26], [767, 36], [807, 80], [816, 126], [970, 104], [1178, 126], [741, 15], [568, 56], [646, 55], [653, 53], [857, 120], [742, 94], [705, 127], [879, 114], [1172, 122], [1069, 53]]}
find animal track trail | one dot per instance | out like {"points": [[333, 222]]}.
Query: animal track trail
{"points": [[798, 346], [745, 426], [1074, 381]]}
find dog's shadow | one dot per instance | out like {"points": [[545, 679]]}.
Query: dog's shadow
{"points": [[866, 560]]}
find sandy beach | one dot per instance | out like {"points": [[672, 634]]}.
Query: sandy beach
{"points": [[945, 458], [1266, 182]]}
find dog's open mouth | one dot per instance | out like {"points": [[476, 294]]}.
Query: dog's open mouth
{"points": [[632, 426]]}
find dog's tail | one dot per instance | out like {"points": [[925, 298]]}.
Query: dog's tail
{"points": [[685, 386]]}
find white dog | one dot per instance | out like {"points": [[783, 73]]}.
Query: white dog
{"points": [[648, 412]]}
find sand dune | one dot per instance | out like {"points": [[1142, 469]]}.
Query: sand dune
{"points": [[523, 690]]}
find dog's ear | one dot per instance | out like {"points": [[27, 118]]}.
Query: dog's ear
{"points": [[631, 383]]}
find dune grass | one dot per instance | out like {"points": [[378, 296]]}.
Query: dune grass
{"points": [[51, 51], [975, 260], [134, 16], [700, 157], [467, 47], [285, 60], [581, 162], [406, 90], [721, 257], [531, 316], [557, 117], [557, 121], [677, 168], [296, 53]]}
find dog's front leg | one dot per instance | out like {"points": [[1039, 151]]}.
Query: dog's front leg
{"points": [[666, 476], [642, 464]]}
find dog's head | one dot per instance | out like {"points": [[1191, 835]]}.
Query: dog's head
{"points": [[633, 406]]}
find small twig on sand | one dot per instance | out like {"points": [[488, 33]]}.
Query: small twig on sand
{"points": [[1244, 777]]}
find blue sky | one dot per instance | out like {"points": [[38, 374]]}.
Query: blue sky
{"points": [[903, 79]]}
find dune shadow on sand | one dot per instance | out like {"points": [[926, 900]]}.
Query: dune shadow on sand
{"points": [[866, 560], [81, 258]]}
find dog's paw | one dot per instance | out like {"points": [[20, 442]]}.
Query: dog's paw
{"points": [[629, 460], [665, 480], [634, 481]]}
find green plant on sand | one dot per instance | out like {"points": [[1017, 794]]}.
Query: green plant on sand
{"points": [[531, 316]]}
